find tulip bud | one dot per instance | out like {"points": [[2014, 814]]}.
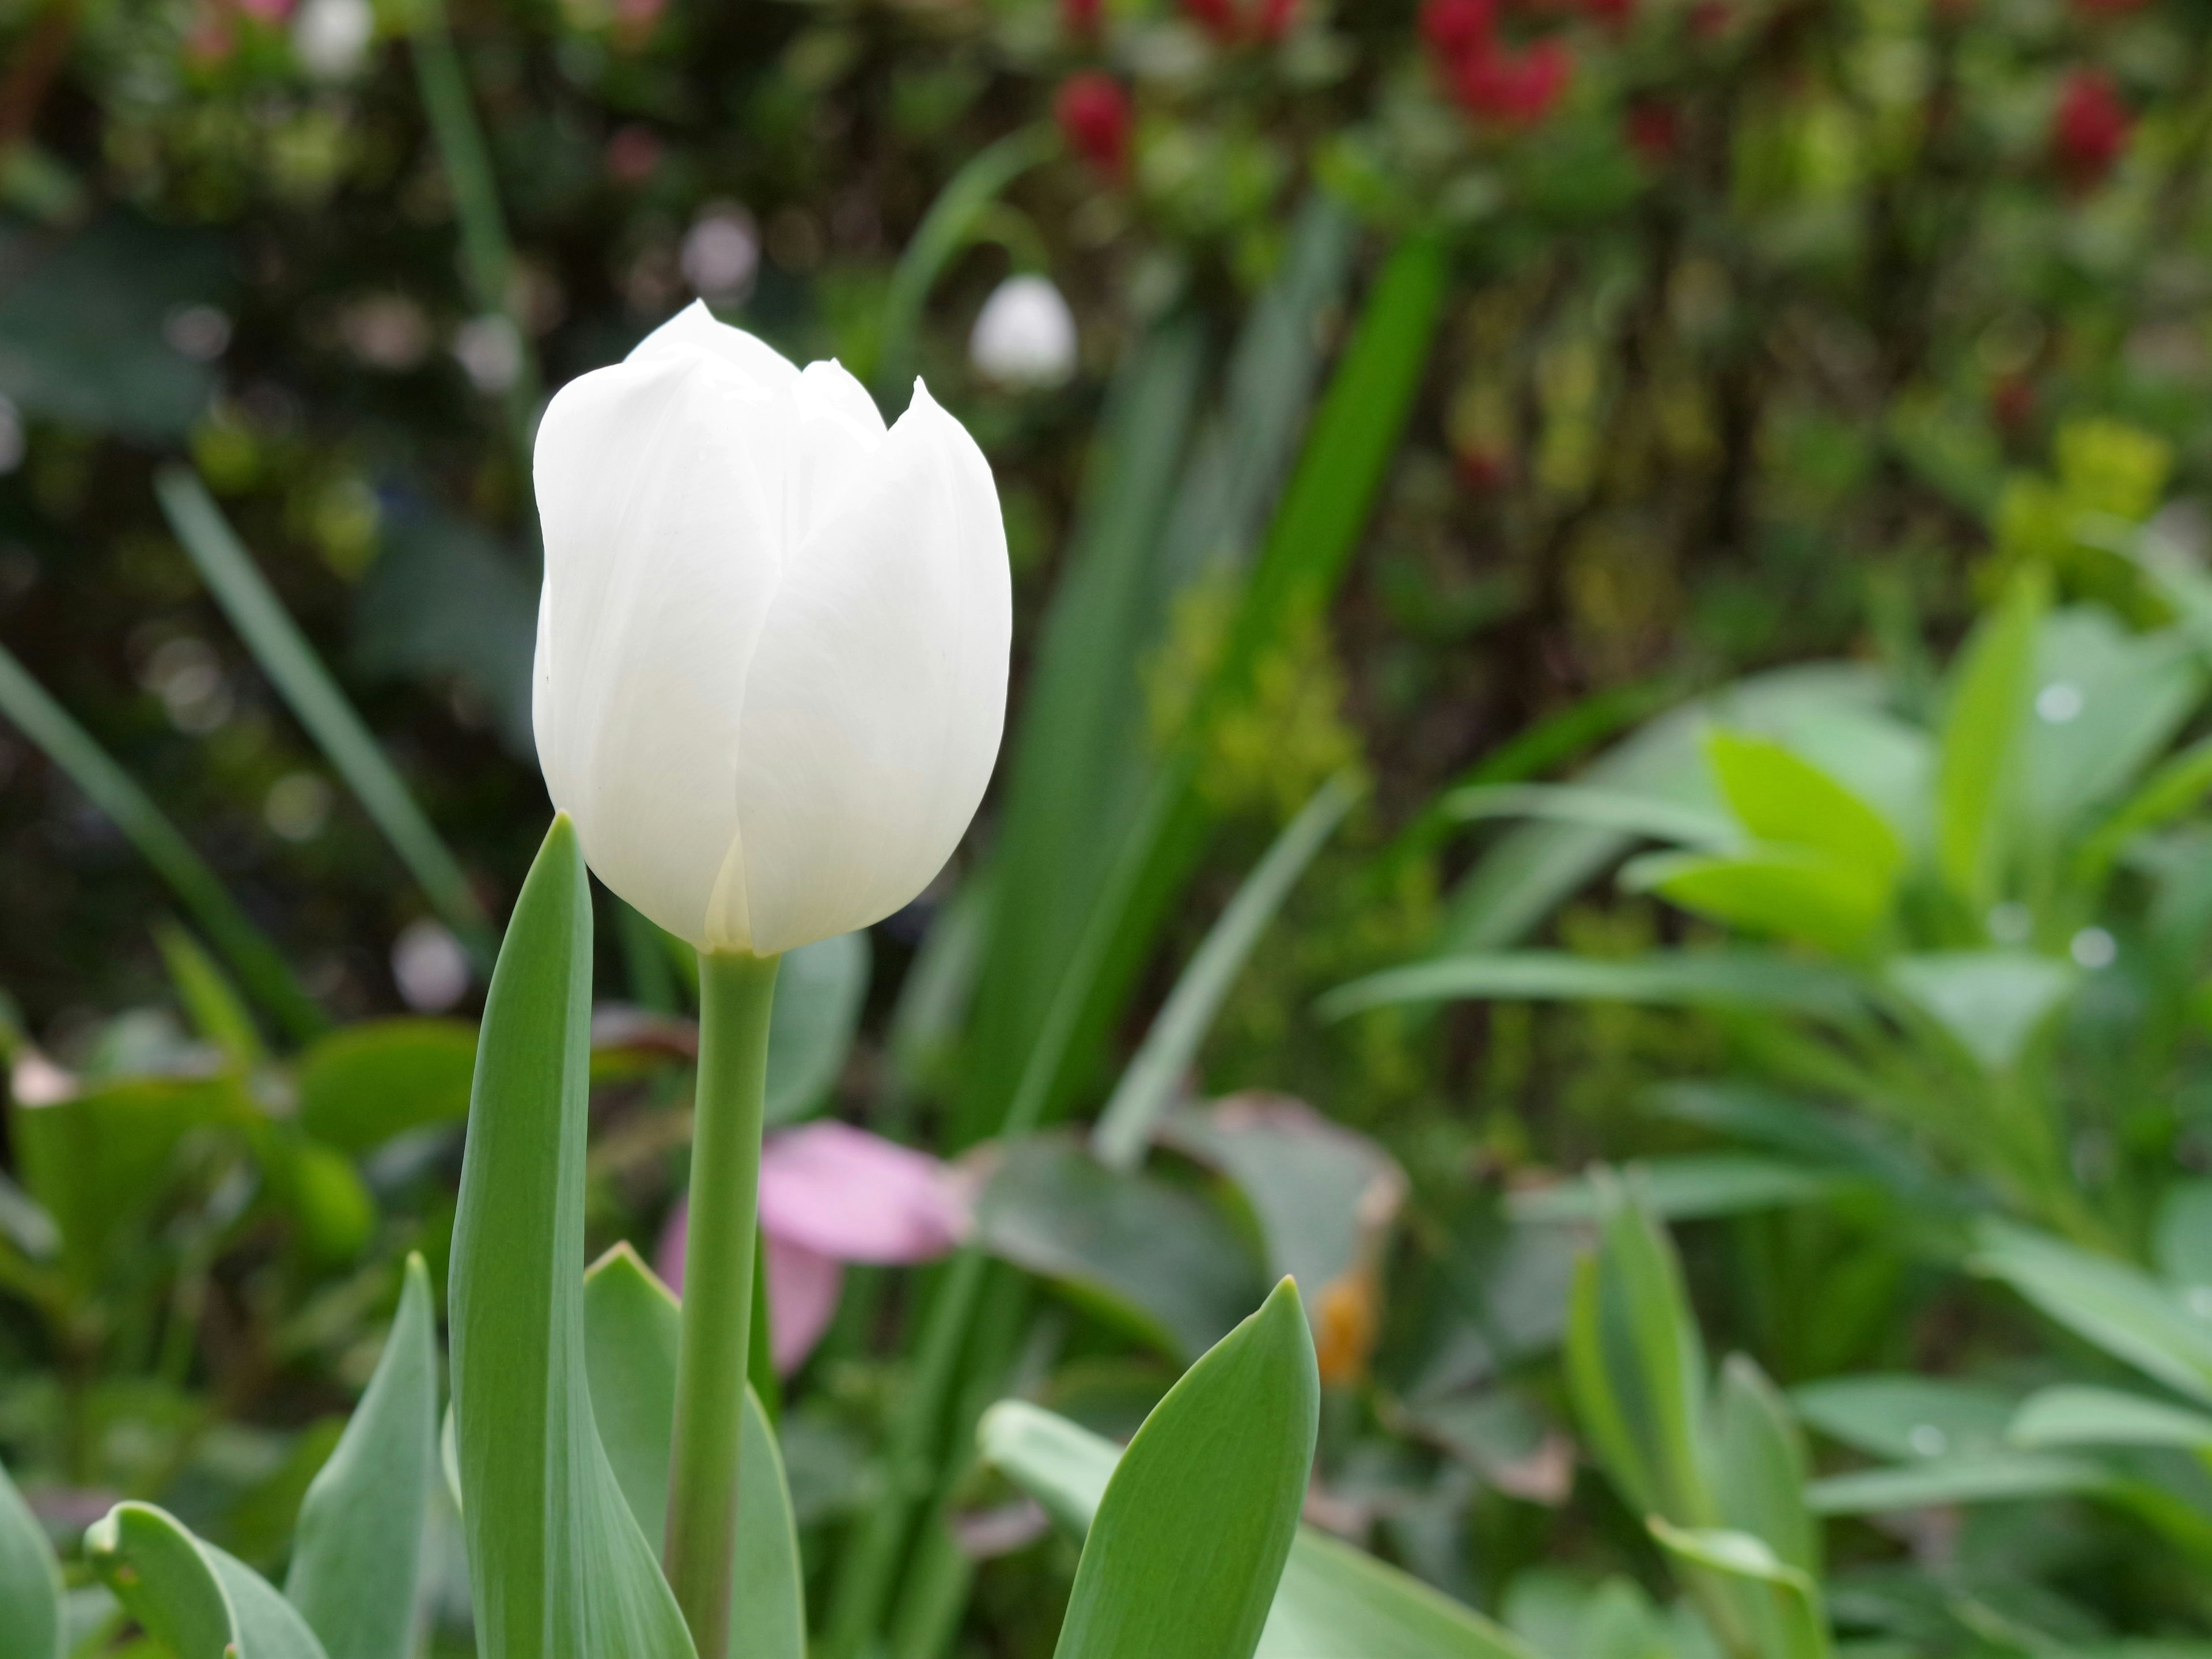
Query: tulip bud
{"points": [[772, 644], [1024, 335], [1094, 118]]}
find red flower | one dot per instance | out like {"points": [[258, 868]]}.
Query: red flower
{"points": [[1654, 130], [1615, 13], [1516, 87], [1219, 17], [2091, 127], [1081, 18], [1454, 28], [1094, 118], [1276, 17]]}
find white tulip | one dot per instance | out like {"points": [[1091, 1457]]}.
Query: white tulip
{"points": [[1024, 335], [772, 646]]}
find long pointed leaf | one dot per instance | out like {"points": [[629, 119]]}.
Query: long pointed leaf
{"points": [[560, 1567], [31, 1624], [356, 1555], [1184, 1554]]}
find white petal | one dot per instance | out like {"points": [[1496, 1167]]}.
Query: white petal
{"points": [[878, 694], [693, 330], [833, 434], [661, 564]]}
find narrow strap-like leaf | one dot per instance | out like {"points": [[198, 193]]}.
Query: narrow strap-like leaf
{"points": [[356, 1555], [192, 1598]]}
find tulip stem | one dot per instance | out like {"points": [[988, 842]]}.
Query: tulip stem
{"points": [[735, 993]]}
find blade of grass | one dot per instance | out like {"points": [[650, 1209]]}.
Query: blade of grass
{"points": [[1147, 1086], [315, 698], [160, 843]]}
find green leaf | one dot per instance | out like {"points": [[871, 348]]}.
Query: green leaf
{"points": [[632, 1327], [1992, 1002], [1189, 1543], [1780, 796], [192, 1598], [560, 1567], [1760, 1467], [1799, 1625], [1333, 1598], [2119, 1307], [31, 1622], [1148, 1086], [359, 1545], [158, 841], [1156, 1259], [819, 993], [1985, 1478], [2109, 701], [314, 698], [216, 1012], [1692, 1186], [360, 1086], [2072, 1415], [1697, 978], [1624, 811], [1775, 891], [2183, 1243], [1903, 1416], [1982, 729]]}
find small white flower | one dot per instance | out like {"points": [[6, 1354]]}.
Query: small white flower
{"points": [[722, 254], [1024, 335], [2094, 948], [772, 645], [429, 967], [490, 351], [330, 38]]}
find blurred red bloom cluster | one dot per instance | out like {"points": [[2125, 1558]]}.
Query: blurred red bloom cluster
{"points": [[1493, 79]]}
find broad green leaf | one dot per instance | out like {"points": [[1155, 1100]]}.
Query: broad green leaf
{"points": [[215, 1009], [632, 1327], [1692, 1186], [1333, 1598], [1777, 892], [1992, 1002], [31, 1622], [560, 1567], [1636, 1367], [1990, 690], [1759, 1467], [1148, 1084], [1157, 1259], [195, 1599], [2107, 700], [1984, 1478], [2072, 1415], [359, 1547], [1189, 1542], [2178, 785], [1779, 796], [1624, 811], [2119, 1307], [363, 1085], [1903, 1416], [1697, 979], [819, 993], [2183, 1240], [1799, 1626]]}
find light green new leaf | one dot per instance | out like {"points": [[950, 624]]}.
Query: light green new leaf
{"points": [[1759, 1467], [31, 1623], [1692, 1186], [359, 1545], [1981, 737], [192, 1598], [1779, 892], [363, 1085], [1624, 811], [1780, 796], [217, 1011], [1188, 1545], [560, 1567], [1991, 1001], [1696, 979], [2119, 1307], [632, 1327], [1799, 1627], [2071, 1415], [1333, 1598], [1983, 1478]]}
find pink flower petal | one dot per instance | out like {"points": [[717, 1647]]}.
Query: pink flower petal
{"points": [[845, 1194], [803, 1288]]}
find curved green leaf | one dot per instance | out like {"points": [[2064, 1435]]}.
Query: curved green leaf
{"points": [[355, 1557], [194, 1599], [31, 1624], [1189, 1542], [1781, 797], [2123, 1310], [1799, 1627], [632, 1325], [559, 1567], [363, 1085], [1333, 1598], [1701, 979], [2072, 1415]]}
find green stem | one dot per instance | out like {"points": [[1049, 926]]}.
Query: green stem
{"points": [[735, 993]]}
